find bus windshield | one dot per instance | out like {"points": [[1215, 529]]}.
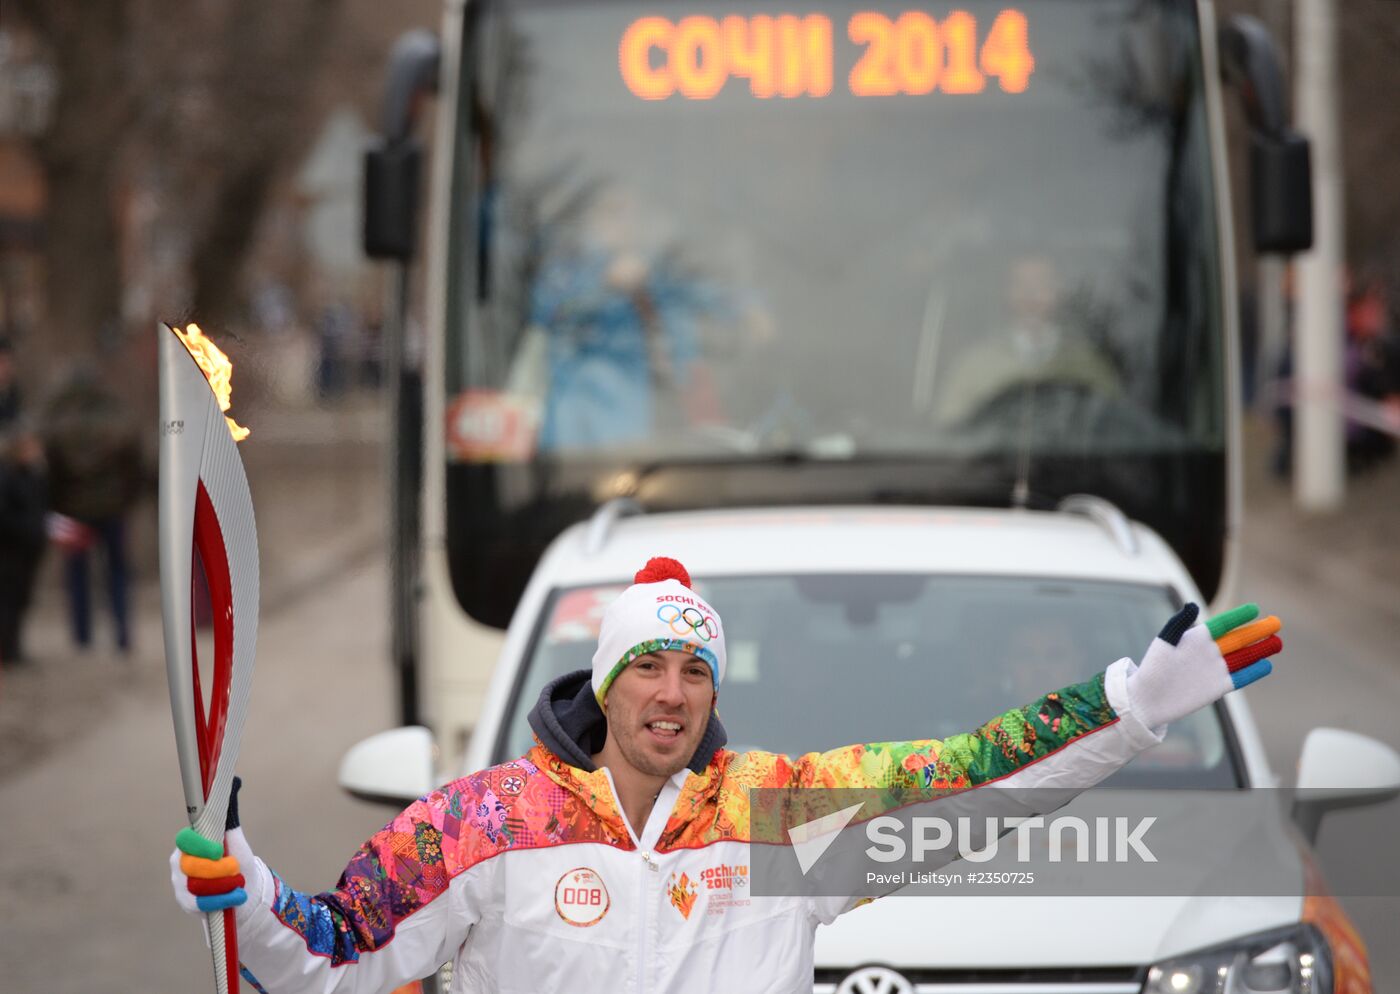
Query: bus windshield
{"points": [[979, 239]]}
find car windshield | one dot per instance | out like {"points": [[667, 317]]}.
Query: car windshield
{"points": [[820, 661]]}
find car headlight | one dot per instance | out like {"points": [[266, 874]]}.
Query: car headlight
{"points": [[1292, 960]]}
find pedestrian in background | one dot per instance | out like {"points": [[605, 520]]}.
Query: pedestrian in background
{"points": [[1372, 364], [95, 478], [23, 504], [338, 337], [10, 407]]}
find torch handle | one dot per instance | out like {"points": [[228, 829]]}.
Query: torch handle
{"points": [[223, 944]]}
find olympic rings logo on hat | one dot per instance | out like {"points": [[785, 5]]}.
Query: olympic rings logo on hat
{"points": [[688, 621]]}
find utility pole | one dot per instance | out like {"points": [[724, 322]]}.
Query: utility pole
{"points": [[1271, 312], [1318, 431]]}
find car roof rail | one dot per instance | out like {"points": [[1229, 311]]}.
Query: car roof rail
{"points": [[1106, 515], [601, 524]]}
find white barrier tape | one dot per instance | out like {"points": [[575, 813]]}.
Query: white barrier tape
{"points": [[1380, 415]]}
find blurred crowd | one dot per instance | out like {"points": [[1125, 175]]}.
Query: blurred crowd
{"points": [[328, 346], [71, 470], [73, 466], [1371, 373], [1372, 366]]}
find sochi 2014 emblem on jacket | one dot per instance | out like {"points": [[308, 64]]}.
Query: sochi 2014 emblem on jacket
{"points": [[682, 893]]}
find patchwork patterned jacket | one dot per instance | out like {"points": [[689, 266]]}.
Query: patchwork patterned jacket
{"points": [[528, 876]]}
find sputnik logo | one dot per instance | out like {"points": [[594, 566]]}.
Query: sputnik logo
{"points": [[811, 839]]}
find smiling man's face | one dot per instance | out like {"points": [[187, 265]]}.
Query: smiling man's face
{"points": [[657, 710]]}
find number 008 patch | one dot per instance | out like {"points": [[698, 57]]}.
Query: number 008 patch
{"points": [[580, 897]]}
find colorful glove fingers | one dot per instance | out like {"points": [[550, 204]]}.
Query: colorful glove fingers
{"points": [[1190, 665], [1246, 643], [214, 879]]}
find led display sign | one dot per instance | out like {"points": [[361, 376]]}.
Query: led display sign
{"points": [[792, 55]]}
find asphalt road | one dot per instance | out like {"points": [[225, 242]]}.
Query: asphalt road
{"points": [[1340, 668], [87, 821]]}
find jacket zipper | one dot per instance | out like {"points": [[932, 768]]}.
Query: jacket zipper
{"points": [[643, 906], [644, 886]]}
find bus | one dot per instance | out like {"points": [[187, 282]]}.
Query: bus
{"points": [[683, 254]]}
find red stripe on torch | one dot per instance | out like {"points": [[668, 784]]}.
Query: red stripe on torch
{"points": [[213, 557], [209, 727]]}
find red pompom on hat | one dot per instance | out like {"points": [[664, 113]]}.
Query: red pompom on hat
{"points": [[659, 568]]}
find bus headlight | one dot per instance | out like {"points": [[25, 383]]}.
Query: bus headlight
{"points": [[1292, 960]]}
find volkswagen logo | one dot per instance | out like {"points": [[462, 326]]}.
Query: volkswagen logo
{"points": [[875, 980]]}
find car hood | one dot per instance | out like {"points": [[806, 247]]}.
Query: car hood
{"points": [[999, 932], [1054, 924]]}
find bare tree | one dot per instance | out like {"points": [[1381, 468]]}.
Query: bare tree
{"points": [[1369, 40], [271, 53], [90, 46], [211, 98]]}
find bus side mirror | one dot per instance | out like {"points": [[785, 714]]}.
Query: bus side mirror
{"points": [[392, 174], [1280, 175], [1279, 160], [394, 166]]}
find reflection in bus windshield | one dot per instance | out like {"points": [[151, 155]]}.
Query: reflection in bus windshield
{"points": [[611, 356]]}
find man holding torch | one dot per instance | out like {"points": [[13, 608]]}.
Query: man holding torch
{"points": [[571, 867]]}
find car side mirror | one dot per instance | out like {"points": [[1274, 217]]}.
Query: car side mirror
{"points": [[395, 767], [1340, 769]]}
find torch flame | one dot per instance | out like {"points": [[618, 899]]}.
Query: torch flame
{"points": [[217, 369]]}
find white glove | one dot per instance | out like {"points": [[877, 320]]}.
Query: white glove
{"points": [[1191, 665]]}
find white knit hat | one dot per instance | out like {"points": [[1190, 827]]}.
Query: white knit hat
{"points": [[659, 611]]}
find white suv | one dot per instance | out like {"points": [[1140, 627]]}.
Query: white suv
{"points": [[920, 623]]}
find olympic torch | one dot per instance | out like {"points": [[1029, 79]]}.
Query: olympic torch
{"points": [[205, 507]]}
